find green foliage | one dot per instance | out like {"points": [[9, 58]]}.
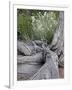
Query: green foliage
{"points": [[36, 24], [24, 25], [44, 25]]}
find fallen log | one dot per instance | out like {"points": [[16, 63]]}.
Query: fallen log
{"points": [[30, 59]]}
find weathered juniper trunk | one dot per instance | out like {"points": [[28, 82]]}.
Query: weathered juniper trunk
{"points": [[27, 70], [27, 66], [37, 58], [50, 69], [23, 48], [54, 57], [57, 44], [41, 65], [29, 48]]}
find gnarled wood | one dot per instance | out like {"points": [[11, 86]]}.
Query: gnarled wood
{"points": [[49, 69], [57, 44], [23, 47], [30, 59]]}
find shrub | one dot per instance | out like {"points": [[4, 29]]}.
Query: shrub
{"points": [[36, 24]]}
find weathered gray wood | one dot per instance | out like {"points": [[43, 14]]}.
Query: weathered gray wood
{"points": [[54, 56], [47, 71], [38, 42], [30, 59], [28, 48], [37, 48], [23, 47], [50, 69], [43, 73], [25, 71], [58, 36], [57, 44], [28, 65], [32, 66]]}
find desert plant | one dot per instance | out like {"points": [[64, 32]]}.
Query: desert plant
{"points": [[36, 24], [44, 25]]}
